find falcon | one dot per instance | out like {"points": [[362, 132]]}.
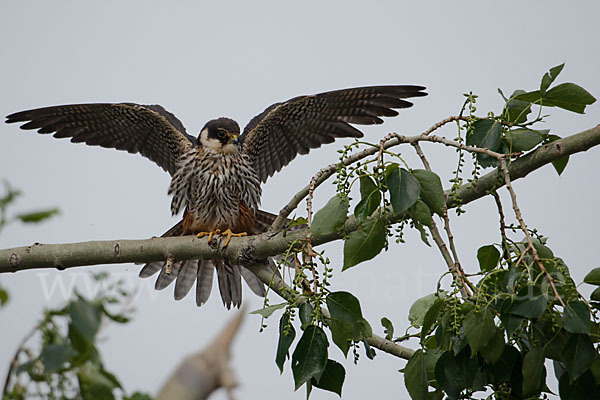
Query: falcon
{"points": [[216, 177]]}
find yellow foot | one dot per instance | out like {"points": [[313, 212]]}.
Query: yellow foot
{"points": [[210, 234], [229, 234], [226, 232]]}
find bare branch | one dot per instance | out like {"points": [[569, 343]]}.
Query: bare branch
{"points": [[530, 245], [390, 140], [282, 289]]}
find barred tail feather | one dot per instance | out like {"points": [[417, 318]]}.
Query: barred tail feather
{"points": [[230, 283], [186, 278], [204, 281], [165, 279], [255, 284]]}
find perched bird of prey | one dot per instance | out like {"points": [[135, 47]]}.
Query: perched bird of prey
{"points": [[216, 177]]}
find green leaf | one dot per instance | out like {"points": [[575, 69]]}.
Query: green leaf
{"points": [[389, 328], [595, 369], [403, 186], [331, 218], [543, 251], [53, 356], [93, 384], [27, 366], [305, 314], [576, 317], [583, 388], [568, 96], [479, 328], [370, 198], [595, 294], [529, 303], [593, 277], [515, 110], [485, 133], [511, 322], [488, 257], [420, 213], [533, 371], [550, 76], [432, 192], [415, 377], [431, 357], [85, 318], [431, 316], [560, 164], [118, 318], [339, 334], [455, 373], [369, 351], [3, 296], [345, 307], [419, 308], [503, 367], [364, 243], [522, 139], [347, 322], [578, 355], [10, 196], [332, 378], [494, 349], [298, 222], [286, 338], [310, 356], [37, 216], [139, 396], [268, 311]]}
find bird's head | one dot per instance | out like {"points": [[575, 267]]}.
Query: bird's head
{"points": [[220, 135]]}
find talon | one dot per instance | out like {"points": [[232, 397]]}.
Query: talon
{"points": [[229, 234], [210, 234]]}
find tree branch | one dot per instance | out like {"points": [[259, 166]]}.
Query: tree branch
{"points": [[251, 249], [522, 166]]}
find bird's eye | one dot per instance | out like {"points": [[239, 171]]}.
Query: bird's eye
{"points": [[221, 134]]}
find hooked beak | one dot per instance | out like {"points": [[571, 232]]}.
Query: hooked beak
{"points": [[234, 139]]}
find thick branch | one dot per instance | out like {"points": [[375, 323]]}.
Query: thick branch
{"points": [[255, 248], [282, 289], [524, 165]]}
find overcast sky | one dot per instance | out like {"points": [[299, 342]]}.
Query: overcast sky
{"points": [[234, 58]]}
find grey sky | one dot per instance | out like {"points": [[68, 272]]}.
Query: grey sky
{"points": [[234, 59]]}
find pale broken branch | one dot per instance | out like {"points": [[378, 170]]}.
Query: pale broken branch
{"points": [[202, 373]]}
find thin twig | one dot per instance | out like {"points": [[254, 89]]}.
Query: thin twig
{"points": [[15, 360], [530, 245], [437, 238], [505, 250], [443, 122], [451, 260], [421, 155], [323, 174]]}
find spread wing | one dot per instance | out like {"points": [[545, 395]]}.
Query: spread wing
{"points": [[149, 130], [273, 138]]}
